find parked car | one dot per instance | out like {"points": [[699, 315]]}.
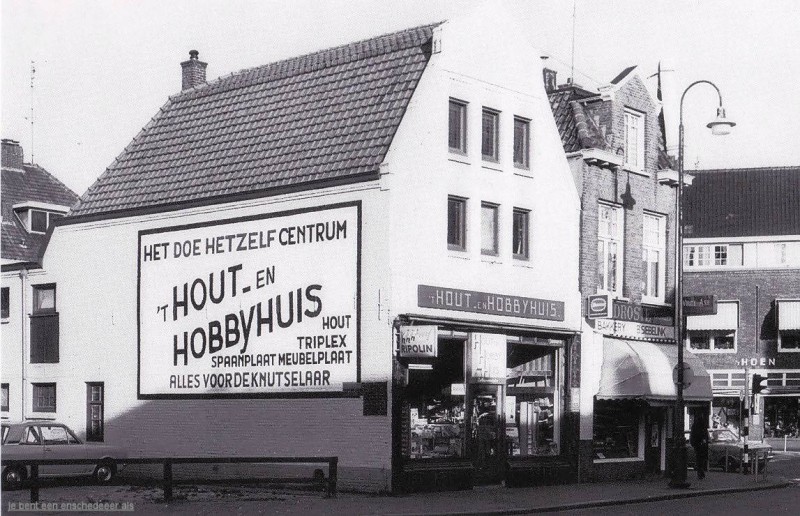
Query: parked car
{"points": [[724, 444], [50, 440]]}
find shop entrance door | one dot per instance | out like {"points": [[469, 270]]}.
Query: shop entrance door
{"points": [[486, 433]]}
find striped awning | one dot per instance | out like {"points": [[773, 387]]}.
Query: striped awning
{"points": [[643, 370], [789, 315], [726, 318]]}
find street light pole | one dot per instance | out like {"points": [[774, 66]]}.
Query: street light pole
{"points": [[720, 126]]}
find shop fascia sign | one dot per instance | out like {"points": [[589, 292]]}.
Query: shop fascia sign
{"points": [[700, 305], [446, 298], [635, 321], [419, 341]]}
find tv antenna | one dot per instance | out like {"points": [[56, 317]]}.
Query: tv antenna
{"points": [[33, 76]]}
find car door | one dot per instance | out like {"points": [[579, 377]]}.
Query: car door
{"points": [[30, 445], [59, 444]]}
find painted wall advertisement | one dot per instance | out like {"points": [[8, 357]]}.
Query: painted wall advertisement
{"points": [[260, 306]]}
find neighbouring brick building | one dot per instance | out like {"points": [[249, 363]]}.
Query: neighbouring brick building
{"points": [[615, 146], [32, 200], [370, 252], [743, 246]]}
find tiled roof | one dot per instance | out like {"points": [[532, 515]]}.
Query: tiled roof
{"points": [[31, 183], [576, 130], [323, 116], [743, 202]]}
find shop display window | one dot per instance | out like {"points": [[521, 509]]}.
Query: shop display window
{"points": [[617, 429], [781, 416], [532, 407], [435, 404], [726, 412]]}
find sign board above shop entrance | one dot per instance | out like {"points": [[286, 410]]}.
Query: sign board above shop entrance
{"points": [[491, 303], [251, 307], [632, 330], [419, 341]]}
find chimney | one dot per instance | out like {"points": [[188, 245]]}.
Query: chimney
{"points": [[13, 157], [194, 71], [549, 80]]}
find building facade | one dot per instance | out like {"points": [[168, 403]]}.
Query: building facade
{"points": [[368, 252], [742, 246], [627, 345], [32, 200]]}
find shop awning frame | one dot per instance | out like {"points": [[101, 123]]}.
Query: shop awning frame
{"points": [[788, 314], [643, 370], [726, 318]]}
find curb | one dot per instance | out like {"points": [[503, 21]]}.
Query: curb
{"points": [[606, 502]]}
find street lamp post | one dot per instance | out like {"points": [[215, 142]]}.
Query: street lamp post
{"points": [[720, 126]]}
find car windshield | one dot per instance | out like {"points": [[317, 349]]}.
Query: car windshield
{"points": [[725, 436]]}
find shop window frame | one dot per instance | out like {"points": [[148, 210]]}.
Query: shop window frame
{"points": [[640, 438]]}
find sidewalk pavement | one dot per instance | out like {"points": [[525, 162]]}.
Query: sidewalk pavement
{"points": [[198, 500]]}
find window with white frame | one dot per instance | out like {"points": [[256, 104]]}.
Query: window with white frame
{"points": [[653, 256], [522, 132], [789, 325], [778, 254], [489, 228], [714, 333], [712, 255], [634, 139], [610, 247]]}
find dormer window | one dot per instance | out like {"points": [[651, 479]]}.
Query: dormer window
{"points": [[37, 217]]}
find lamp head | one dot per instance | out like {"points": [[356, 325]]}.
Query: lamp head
{"points": [[721, 126]]}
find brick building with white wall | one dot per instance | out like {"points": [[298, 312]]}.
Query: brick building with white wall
{"points": [[369, 252], [32, 200], [627, 348], [742, 245]]}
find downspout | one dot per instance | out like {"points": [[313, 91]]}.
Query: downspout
{"points": [[23, 279]]}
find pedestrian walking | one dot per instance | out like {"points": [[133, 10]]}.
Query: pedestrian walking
{"points": [[698, 437]]}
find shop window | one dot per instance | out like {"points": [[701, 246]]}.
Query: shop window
{"points": [[610, 248], [44, 333], [653, 257], [4, 297], [44, 397], [95, 401], [457, 137], [634, 140], [781, 416], [726, 412], [490, 134], [489, 215], [434, 404], [4, 407], [533, 410], [618, 429], [456, 223], [521, 231], [522, 135]]}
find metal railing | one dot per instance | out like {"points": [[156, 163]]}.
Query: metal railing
{"points": [[168, 462], [754, 459]]}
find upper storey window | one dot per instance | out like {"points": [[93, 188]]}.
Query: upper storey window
{"points": [[653, 251], [490, 134], [457, 137], [712, 255], [634, 140], [610, 248], [522, 135]]}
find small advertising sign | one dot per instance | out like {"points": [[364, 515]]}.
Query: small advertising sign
{"points": [[700, 305], [598, 307], [486, 358], [634, 330], [419, 341]]}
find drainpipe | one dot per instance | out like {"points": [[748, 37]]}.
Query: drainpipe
{"points": [[23, 280]]}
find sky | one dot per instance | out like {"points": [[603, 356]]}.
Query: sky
{"points": [[103, 68]]}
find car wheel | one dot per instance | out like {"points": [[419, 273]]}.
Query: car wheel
{"points": [[13, 477], [104, 473]]}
